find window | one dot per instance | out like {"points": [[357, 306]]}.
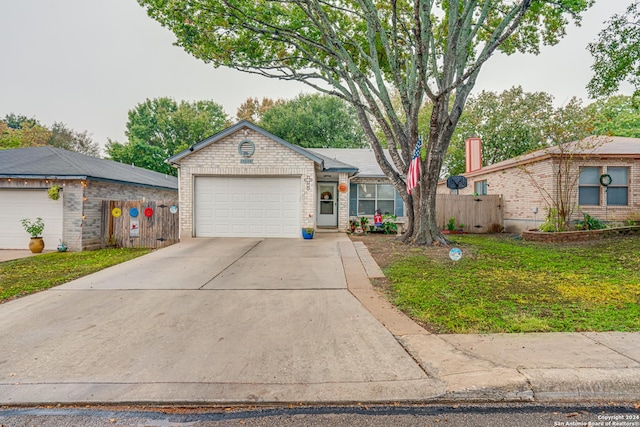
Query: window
{"points": [[481, 188], [376, 196], [589, 186], [618, 190]]}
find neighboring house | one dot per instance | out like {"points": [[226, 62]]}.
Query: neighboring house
{"points": [[245, 181], [75, 218], [524, 206]]}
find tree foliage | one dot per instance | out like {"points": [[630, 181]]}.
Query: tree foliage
{"points": [[510, 123], [363, 50], [69, 139], [617, 116], [252, 109], [18, 131], [616, 54], [159, 128], [315, 121]]}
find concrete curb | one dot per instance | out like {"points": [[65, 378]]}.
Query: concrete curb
{"points": [[538, 367]]}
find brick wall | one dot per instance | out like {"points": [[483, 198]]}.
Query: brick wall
{"points": [[221, 158]]}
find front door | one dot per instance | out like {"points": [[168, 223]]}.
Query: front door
{"points": [[327, 205]]}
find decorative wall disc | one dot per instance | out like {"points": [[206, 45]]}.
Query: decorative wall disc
{"points": [[116, 212], [148, 212], [173, 209], [133, 212]]}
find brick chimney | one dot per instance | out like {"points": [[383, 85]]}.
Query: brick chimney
{"points": [[473, 154]]}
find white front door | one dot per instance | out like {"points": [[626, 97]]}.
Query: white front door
{"points": [[327, 204]]}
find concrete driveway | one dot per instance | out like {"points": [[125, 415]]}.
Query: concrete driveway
{"points": [[207, 321]]}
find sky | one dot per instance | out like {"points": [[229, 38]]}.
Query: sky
{"points": [[86, 63]]}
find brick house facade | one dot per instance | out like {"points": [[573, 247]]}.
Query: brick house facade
{"points": [[524, 205], [229, 184]]}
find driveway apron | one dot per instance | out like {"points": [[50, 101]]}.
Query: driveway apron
{"points": [[207, 321]]}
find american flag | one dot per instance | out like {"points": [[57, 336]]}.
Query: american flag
{"points": [[414, 168]]}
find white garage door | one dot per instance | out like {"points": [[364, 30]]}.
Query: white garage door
{"points": [[247, 207], [18, 204]]}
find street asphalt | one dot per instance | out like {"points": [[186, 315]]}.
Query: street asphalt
{"points": [[245, 321]]}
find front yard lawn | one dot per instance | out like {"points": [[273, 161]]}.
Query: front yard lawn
{"points": [[506, 285], [28, 275]]}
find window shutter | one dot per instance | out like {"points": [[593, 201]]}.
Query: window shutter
{"points": [[353, 199], [399, 204]]}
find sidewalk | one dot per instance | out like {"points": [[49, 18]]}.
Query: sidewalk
{"points": [[540, 367]]}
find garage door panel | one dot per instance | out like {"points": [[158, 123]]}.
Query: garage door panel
{"points": [[247, 207], [19, 204]]}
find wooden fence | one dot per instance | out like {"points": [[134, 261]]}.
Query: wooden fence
{"points": [[155, 228], [479, 214]]}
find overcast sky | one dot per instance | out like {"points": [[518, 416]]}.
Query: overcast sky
{"points": [[88, 62]]}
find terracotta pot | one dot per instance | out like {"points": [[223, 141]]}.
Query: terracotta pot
{"points": [[36, 245]]}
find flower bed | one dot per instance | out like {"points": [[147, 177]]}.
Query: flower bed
{"points": [[578, 236]]}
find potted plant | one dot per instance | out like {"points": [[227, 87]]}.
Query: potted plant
{"points": [[307, 232], [54, 192], [34, 228]]}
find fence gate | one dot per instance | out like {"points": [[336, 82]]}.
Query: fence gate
{"points": [[139, 224], [479, 214]]}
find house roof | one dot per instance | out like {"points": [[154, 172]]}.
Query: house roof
{"points": [[334, 165], [57, 163], [239, 126], [594, 146], [364, 160]]}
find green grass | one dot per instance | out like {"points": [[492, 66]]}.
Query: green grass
{"points": [[28, 275], [506, 285]]}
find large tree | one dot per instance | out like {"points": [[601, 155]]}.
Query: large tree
{"points": [[17, 131], [252, 109], [616, 53], [315, 121], [69, 139], [617, 115], [510, 123], [359, 49], [159, 128]]}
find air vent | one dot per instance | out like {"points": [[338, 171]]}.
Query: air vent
{"points": [[246, 148]]}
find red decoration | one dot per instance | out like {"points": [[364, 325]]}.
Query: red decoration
{"points": [[342, 187], [377, 219], [148, 212]]}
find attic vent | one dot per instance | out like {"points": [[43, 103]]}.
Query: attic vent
{"points": [[246, 148]]}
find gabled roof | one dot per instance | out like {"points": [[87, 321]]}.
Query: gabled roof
{"points": [[593, 146], [57, 163], [235, 128]]}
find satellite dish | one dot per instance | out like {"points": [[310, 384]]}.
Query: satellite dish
{"points": [[456, 182]]}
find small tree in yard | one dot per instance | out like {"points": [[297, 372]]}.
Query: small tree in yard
{"points": [[571, 123], [364, 51]]}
